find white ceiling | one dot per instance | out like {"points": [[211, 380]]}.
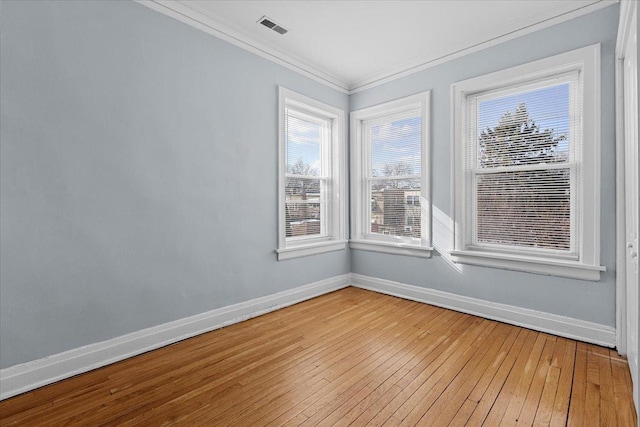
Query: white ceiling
{"points": [[354, 44]]}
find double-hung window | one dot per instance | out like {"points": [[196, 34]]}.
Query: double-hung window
{"points": [[390, 192], [311, 176], [526, 167]]}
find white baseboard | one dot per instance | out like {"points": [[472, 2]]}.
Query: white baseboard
{"points": [[31, 375], [28, 376], [537, 320]]}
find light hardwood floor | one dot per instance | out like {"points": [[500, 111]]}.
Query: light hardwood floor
{"points": [[350, 357]]}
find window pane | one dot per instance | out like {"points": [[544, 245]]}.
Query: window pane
{"points": [[395, 207], [527, 209], [304, 219], [304, 206], [307, 187], [525, 128], [303, 146], [395, 147]]}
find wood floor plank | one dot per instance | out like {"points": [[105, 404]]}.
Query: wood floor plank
{"points": [[374, 408], [487, 399], [412, 410], [347, 372], [607, 394], [360, 383], [512, 347], [351, 357], [230, 400], [531, 402], [560, 410], [449, 403], [326, 404], [579, 389], [430, 342], [625, 411], [545, 406], [458, 386], [463, 414], [392, 422], [592, 398], [230, 406], [517, 383], [550, 390], [416, 378], [200, 366]]}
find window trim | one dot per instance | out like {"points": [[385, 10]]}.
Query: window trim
{"points": [[587, 265], [335, 239], [359, 238]]}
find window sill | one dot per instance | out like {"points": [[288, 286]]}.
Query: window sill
{"points": [[530, 264], [310, 249], [391, 248]]}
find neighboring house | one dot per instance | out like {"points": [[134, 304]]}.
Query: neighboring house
{"points": [[395, 212], [303, 214]]}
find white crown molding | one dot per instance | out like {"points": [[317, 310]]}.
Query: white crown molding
{"points": [[191, 14], [537, 320], [421, 64], [31, 375]]}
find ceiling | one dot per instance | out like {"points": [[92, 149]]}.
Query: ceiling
{"points": [[351, 45]]}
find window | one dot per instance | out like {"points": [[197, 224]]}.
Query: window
{"points": [[526, 167], [389, 160], [413, 200], [311, 171]]}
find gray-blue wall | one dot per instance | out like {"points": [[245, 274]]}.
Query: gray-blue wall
{"points": [[591, 301], [138, 178]]}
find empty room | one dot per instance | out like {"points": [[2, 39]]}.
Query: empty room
{"points": [[316, 212]]}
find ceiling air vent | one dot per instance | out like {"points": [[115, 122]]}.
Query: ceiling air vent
{"points": [[267, 22]]}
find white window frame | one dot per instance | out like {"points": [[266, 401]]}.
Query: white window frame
{"points": [[333, 235], [361, 237], [584, 262]]}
